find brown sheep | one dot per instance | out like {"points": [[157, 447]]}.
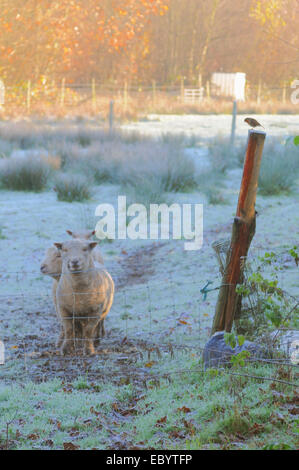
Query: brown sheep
{"points": [[84, 294]]}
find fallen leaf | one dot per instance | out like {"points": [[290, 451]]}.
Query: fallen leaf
{"points": [[33, 437], [184, 409], [150, 364], [294, 410], [189, 426], [93, 411], [256, 428], [48, 443], [70, 446], [161, 421]]}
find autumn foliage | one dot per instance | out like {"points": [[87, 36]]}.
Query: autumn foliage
{"points": [[145, 40], [50, 37]]}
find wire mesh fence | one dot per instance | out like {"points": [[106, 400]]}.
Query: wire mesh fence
{"points": [[95, 96], [152, 328]]}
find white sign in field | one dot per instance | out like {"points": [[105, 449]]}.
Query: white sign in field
{"points": [[229, 84]]}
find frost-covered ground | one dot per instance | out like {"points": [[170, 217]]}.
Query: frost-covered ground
{"points": [[170, 289], [159, 320], [158, 298], [211, 126]]}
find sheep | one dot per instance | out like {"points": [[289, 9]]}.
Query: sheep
{"points": [[52, 265], [87, 235], [84, 294]]}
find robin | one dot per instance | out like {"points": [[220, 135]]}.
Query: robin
{"points": [[253, 123]]}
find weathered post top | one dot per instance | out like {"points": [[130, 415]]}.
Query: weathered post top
{"points": [[249, 183]]}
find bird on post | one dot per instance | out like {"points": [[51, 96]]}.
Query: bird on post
{"points": [[253, 123]]}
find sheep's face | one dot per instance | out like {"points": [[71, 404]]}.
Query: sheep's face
{"points": [[84, 235], [76, 255], [52, 263]]}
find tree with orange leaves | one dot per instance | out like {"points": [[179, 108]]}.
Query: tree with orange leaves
{"points": [[51, 38]]}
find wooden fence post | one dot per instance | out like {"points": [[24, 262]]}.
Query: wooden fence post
{"points": [[259, 92], [234, 121], [242, 234], [125, 96], [93, 94], [208, 91], [199, 80], [182, 89], [62, 92], [154, 92], [111, 115], [284, 93], [28, 104]]}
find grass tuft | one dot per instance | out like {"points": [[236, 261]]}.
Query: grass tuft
{"points": [[72, 188], [24, 174], [279, 169]]}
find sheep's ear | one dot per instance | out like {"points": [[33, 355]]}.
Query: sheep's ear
{"points": [[92, 245], [90, 234], [69, 232], [58, 245]]}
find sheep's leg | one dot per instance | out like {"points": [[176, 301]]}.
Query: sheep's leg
{"points": [[78, 334], [61, 334], [97, 335], [100, 332], [68, 344], [89, 330], [102, 328], [60, 338]]}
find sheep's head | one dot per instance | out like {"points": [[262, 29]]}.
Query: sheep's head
{"points": [[52, 263], [84, 235], [76, 255]]}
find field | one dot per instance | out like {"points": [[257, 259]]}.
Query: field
{"points": [[146, 388]]}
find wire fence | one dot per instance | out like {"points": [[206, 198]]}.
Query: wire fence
{"points": [[153, 326], [94, 96]]}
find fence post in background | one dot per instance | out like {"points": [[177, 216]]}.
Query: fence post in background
{"points": [[182, 89], [208, 90], [154, 91], [125, 96], [284, 93], [93, 94], [242, 234], [247, 91], [62, 92], [199, 80], [234, 121], [111, 115], [2, 94], [28, 103], [259, 92]]}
